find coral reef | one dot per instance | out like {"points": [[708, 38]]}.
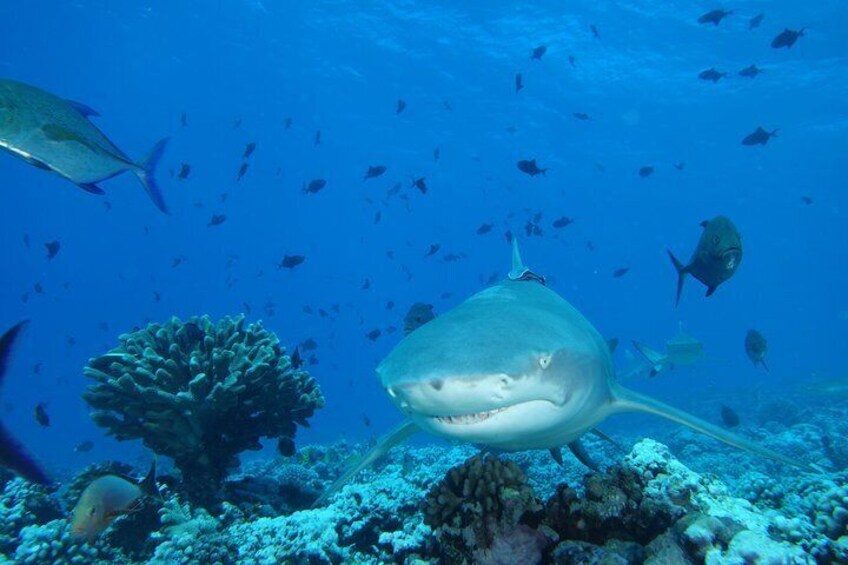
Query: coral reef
{"points": [[481, 509], [23, 504], [201, 393]]}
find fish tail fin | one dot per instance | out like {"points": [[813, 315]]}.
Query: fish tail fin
{"points": [[395, 437], [13, 456], [147, 170], [625, 400], [681, 274], [765, 366], [148, 484]]}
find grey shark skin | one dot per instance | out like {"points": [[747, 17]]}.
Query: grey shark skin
{"points": [[55, 134], [514, 367]]}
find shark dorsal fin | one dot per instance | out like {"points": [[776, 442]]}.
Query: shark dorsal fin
{"points": [[519, 272], [518, 267]]}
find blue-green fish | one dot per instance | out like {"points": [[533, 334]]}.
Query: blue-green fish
{"points": [[56, 135]]}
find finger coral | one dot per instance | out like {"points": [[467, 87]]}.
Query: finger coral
{"points": [[201, 393]]}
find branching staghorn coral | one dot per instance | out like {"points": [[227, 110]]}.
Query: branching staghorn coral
{"points": [[201, 393]]}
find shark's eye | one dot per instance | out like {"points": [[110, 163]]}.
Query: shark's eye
{"points": [[545, 361], [716, 239]]}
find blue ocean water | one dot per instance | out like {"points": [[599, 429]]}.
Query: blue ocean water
{"points": [[238, 70]]}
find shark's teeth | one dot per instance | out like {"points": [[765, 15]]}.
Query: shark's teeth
{"points": [[466, 419]]}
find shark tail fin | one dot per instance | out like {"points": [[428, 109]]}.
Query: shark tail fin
{"points": [[395, 437], [681, 273], [654, 358], [146, 171], [628, 401], [13, 455]]}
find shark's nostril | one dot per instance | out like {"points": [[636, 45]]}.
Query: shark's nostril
{"points": [[437, 384]]}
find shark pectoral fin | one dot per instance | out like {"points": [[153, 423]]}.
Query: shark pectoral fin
{"points": [[582, 455], [556, 453], [395, 437], [625, 400], [598, 433]]}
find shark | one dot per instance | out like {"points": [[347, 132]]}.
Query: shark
{"points": [[515, 367], [681, 350]]}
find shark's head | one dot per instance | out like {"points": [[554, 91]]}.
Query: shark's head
{"points": [[513, 367]]}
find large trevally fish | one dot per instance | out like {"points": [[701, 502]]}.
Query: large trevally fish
{"points": [[55, 134], [515, 367]]}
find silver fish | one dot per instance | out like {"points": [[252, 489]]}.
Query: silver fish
{"points": [[55, 134]]}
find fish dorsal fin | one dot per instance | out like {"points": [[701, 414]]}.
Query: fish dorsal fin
{"points": [[83, 109], [6, 342]]}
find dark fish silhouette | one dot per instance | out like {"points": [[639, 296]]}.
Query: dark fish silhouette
{"points": [[786, 38], [808, 200], [315, 185], [193, 332], [437, 153], [291, 261], [729, 417], [420, 184], [756, 347], [296, 361], [242, 170], [52, 248], [308, 345], [519, 82], [185, 171], [183, 119], [13, 456], [287, 123], [680, 165], [366, 284], [41, 415], [401, 106], [317, 138], [378, 216], [418, 315], [237, 124], [750, 72], [374, 171], [216, 220], [432, 250], [716, 257], [562, 222], [712, 75], [484, 228], [620, 272], [572, 60], [758, 137], [366, 420], [374, 334], [595, 32], [581, 116], [755, 22], [646, 171], [249, 149], [84, 447], [530, 167], [714, 17], [539, 52]]}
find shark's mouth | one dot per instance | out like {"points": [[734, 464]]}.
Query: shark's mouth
{"points": [[468, 419]]}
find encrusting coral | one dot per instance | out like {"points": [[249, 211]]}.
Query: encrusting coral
{"points": [[201, 393]]}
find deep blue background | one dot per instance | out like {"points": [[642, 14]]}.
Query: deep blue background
{"points": [[340, 67]]}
